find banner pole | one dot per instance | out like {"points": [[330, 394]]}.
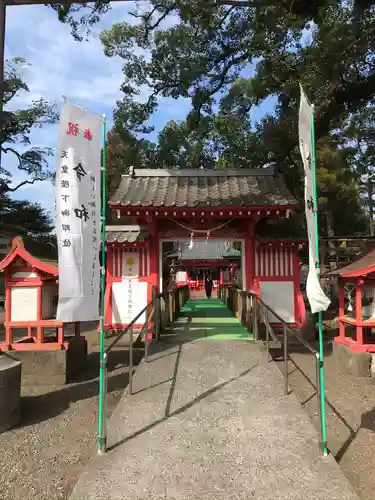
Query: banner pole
{"points": [[102, 378], [323, 444]]}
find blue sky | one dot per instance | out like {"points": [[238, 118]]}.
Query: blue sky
{"points": [[81, 71]]}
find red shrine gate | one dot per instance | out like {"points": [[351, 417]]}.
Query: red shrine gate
{"points": [[167, 205]]}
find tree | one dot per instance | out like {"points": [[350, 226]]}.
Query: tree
{"points": [[124, 150], [24, 218], [326, 45], [360, 136], [15, 134]]}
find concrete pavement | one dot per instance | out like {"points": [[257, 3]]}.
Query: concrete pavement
{"points": [[209, 420]]}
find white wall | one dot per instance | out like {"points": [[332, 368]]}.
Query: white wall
{"points": [[279, 296], [24, 303], [124, 312]]}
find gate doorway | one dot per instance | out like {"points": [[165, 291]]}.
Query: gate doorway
{"points": [[189, 261]]}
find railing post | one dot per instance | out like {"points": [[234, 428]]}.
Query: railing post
{"points": [[176, 303], [102, 438], [255, 319], [170, 301], [146, 334], [131, 362], [286, 384], [247, 311], [250, 303], [157, 314], [265, 312], [244, 308]]}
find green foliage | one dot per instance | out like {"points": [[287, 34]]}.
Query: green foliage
{"points": [[15, 134], [81, 17], [21, 217], [326, 45]]}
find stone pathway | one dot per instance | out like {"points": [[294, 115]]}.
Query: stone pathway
{"points": [[209, 420]]}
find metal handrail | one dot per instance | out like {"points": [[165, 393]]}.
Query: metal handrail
{"points": [[284, 323], [102, 438], [286, 329], [132, 323]]}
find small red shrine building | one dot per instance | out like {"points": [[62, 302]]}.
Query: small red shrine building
{"points": [[31, 288], [170, 205], [128, 278], [357, 317]]}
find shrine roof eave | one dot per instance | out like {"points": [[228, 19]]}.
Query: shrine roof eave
{"points": [[282, 242], [361, 267], [29, 259], [218, 210], [203, 188], [194, 262], [132, 234]]}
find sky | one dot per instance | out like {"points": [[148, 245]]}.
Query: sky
{"points": [[57, 66]]}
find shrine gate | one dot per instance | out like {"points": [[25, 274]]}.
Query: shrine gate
{"points": [[192, 204]]}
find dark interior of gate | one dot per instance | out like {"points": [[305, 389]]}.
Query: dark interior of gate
{"points": [[179, 227]]}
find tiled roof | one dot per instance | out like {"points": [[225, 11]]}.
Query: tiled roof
{"points": [[202, 188], [206, 251], [358, 268], [126, 234]]}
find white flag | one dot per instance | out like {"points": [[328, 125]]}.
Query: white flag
{"points": [[317, 298], [78, 214]]}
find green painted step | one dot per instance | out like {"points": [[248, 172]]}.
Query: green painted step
{"points": [[213, 319]]}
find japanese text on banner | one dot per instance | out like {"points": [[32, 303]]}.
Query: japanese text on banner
{"points": [[317, 298], [78, 214]]}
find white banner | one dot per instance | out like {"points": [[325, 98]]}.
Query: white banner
{"points": [[317, 298], [78, 214]]}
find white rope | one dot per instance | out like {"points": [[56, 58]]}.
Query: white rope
{"points": [[349, 296], [203, 231]]}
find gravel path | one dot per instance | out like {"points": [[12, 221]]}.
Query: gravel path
{"points": [[350, 416], [42, 458]]}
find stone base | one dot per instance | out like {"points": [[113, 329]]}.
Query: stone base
{"points": [[357, 364], [10, 391], [52, 367]]}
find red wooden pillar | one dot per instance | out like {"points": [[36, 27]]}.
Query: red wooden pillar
{"points": [[250, 255], [249, 259], [341, 311], [358, 312], [154, 261], [8, 308], [108, 285], [40, 329], [296, 273], [60, 335], [221, 276]]}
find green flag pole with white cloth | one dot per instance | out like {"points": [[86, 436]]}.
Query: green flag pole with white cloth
{"points": [[319, 302], [102, 381]]}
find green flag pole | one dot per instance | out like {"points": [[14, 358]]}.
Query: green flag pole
{"points": [[323, 444], [102, 373]]}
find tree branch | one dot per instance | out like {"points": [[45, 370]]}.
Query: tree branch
{"points": [[238, 3], [16, 153], [23, 183]]}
